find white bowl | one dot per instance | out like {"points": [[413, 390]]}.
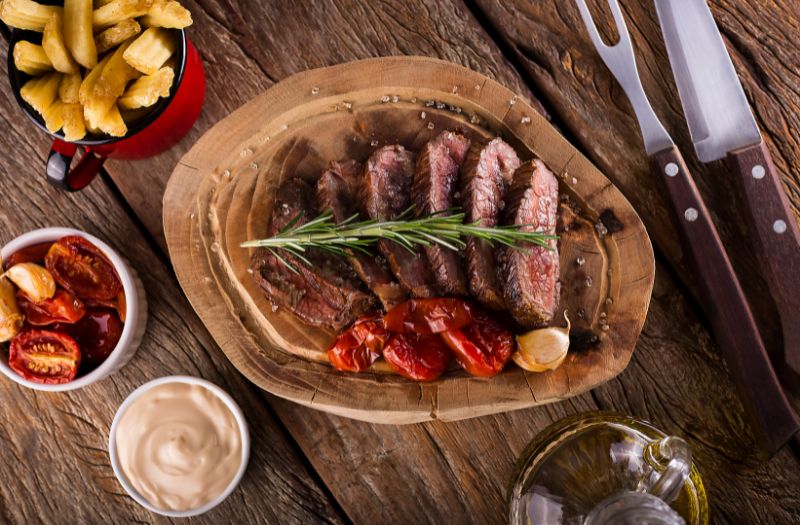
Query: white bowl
{"points": [[243, 432], [135, 318]]}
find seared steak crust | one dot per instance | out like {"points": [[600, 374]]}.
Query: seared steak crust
{"points": [[486, 173], [531, 287], [435, 184], [328, 280], [338, 190], [290, 290], [386, 188]]}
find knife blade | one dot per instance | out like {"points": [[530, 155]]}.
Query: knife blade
{"points": [[732, 321], [722, 125]]}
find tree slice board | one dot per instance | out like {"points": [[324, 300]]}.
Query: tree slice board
{"points": [[221, 193]]}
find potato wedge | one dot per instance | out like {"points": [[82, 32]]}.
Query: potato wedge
{"points": [[119, 10], [150, 50], [112, 124], [116, 74], [54, 116], [78, 32], [117, 34], [31, 59], [26, 14], [74, 126], [55, 47], [40, 92], [68, 91], [167, 13], [147, 90], [87, 86]]}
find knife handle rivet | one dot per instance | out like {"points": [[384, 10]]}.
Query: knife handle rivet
{"points": [[671, 169], [758, 171], [779, 226], [690, 214]]}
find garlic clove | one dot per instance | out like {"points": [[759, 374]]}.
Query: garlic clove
{"points": [[542, 349], [10, 318], [34, 281]]}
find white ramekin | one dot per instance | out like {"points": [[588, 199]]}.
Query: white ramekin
{"points": [[243, 432], [135, 318]]}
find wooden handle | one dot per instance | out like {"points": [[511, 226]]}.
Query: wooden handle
{"points": [[777, 238], [734, 327]]}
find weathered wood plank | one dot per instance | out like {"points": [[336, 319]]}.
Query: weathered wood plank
{"points": [[459, 471], [365, 464], [54, 465], [550, 44]]}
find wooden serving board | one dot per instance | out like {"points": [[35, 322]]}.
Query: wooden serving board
{"points": [[221, 192]]}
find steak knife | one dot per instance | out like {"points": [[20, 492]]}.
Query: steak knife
{"points": [[722, 126], [732, 321]]}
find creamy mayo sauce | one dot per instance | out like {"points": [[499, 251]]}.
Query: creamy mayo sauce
{"points": [[179, 446]]}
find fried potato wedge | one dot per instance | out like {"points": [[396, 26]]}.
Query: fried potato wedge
{"points": [[117, 34], [78, 33], [41, 91], [26, 14], [151, 50], [146, 90], [31, 59], [167, 13], [55, 47]]}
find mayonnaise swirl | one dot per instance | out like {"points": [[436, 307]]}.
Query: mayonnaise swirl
{"points": [[179, 446]]}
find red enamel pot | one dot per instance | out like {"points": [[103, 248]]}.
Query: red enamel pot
{"points": [[168, 121]]}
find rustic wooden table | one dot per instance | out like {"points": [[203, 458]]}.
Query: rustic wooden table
{"points": [[309, 466]]}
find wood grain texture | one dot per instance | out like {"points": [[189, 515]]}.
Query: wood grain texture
{"points": [[549, 42], [446, 472], [226, 183], [733, 325], [54, 446]]}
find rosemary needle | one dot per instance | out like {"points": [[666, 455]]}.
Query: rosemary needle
{"points": [[446, 229]]}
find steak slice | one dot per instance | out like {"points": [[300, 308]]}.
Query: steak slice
{"points": [[486, 173], [531, 285], [435, 184], [290, 290], [386, 193], [329, 279], [338, 191]]}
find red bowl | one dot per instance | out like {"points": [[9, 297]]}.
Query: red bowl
{"points": [[168, 121]]}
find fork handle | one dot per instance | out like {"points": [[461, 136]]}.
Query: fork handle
{"points": [[732, 322], [777, 238]]}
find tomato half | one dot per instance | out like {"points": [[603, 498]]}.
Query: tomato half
{"points": [[428, 316], [44, 357], [30, 254], [482, 348], [63, 307], [417, 357], [78, 266], [359, 346], [97, 335]]}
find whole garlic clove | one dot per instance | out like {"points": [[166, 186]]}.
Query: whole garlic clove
{"points": [[10, 318], [34, 281], [542, 349]]}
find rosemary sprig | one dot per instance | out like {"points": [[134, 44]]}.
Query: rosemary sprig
{"points": [[445, 228]]}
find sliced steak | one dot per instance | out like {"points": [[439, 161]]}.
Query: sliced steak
{"points": [[290, 290], [435, 185], [486, 173], [328, 279], [530, 278], [386, 193], [338, 190]]}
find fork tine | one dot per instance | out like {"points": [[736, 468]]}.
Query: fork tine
{"points": [[588, 21], [622, 27]]}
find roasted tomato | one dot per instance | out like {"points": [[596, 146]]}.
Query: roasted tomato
{"points": [[97, 335], [44, 357], [359, 346], [30, 254], [418, 357], [482, 348], [81, 268], [62, 308], [118, 303], [428, 316]]}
